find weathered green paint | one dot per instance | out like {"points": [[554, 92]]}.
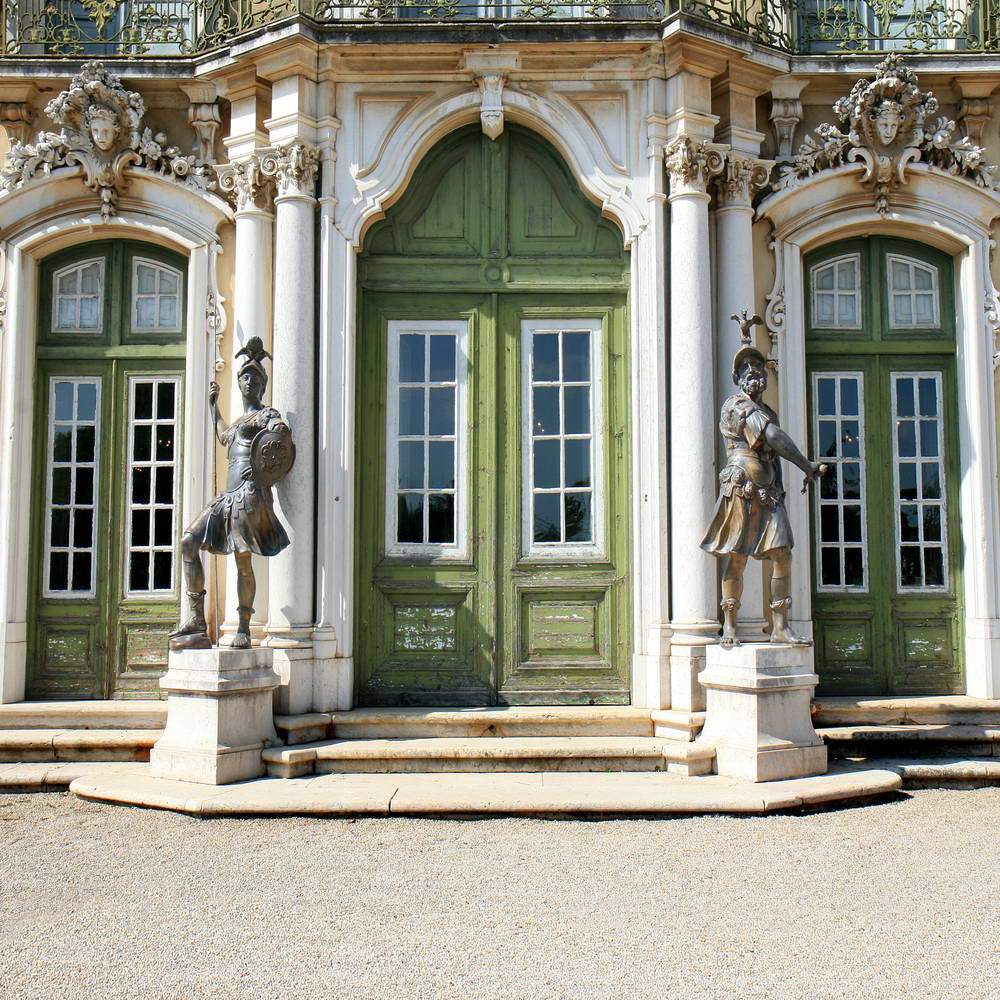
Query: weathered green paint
{"points": [[887, 642], [109, 645], [491, 232]]}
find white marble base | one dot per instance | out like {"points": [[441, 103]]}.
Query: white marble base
{"points": [[758, 718], [220, 715]]}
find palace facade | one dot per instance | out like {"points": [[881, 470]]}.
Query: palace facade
{"points": [[494, 251]]}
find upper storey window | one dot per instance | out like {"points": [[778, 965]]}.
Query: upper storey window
{"points": [[913, 293], [78, 297], [836, 293], [156, 297]]}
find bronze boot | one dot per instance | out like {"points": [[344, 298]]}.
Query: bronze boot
{"points": [[193, 633]]}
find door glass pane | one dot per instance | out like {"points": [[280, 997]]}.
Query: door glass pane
{"points": [[836, 293], [841, 531], [156, 297], [913, 293], [150, 558], [918, 480], [560, 437], [425, 432], [78, 298], [71, 468]]}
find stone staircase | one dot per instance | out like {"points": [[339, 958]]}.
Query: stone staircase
{"points": [[396, 741]]}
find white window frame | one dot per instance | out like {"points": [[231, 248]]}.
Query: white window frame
{"points": [[918, 460], [153, 464], [428, 551], [912, 263], [90, 331], [158, 266], [836, 292], [72, 595], [594, 550], [842, 588]]}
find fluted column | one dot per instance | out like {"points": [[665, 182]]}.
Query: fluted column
{"points": [[291, 586], [735, 291], [253, 193], [694, 612]]}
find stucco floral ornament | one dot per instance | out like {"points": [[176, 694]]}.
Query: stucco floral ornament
{"points": [[103, 132], [891, 126]]}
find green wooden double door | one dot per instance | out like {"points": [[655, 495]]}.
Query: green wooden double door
{"points": [[887, 594], [492, 444], [106, 485]]}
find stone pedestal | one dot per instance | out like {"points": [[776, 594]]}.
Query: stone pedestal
{"points": [[758, 718], [220, 716]]}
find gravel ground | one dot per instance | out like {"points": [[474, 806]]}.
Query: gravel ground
{"points": [[898, 900]]}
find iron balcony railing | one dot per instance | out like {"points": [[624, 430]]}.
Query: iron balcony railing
{"points": [[183, 28]]}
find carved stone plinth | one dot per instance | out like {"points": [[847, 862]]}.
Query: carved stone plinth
{"points": [[758, 719], [220, 716]]}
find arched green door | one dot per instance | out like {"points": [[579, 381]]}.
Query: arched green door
{"points": [[887, 588], [493, 450]]}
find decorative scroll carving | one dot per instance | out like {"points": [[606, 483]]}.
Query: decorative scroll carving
{"points": [[293, 167], [215, 310], [247, 184], [693, 164], [742, 176], [205, 120], [491, 113], [889, 130], [15, 117], [774, 314], [103, 132]]}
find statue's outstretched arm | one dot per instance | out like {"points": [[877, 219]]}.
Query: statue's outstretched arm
{"points": [[784, 446]]}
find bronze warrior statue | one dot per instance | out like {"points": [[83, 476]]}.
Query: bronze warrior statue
{"points": [[241, 519], [750, 517]]}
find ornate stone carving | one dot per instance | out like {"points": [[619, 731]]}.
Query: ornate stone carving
{"points": [[491, 112], [741, 177], [293, 167], [247, 184], [693, 164], [774, 315], [15, 117], [786, 113], [204, 118], [889, 130], [103, 132], [215, 310], [973, 114]]}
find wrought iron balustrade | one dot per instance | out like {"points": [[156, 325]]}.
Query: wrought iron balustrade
{"points": [[183, 28]]}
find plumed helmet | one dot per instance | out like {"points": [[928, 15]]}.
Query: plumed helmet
{"points": [[747, 349], [255, 353]]}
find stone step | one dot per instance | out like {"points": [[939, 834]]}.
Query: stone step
{"points": [[946, 772], [928, 710], [54, 777], [18, 746], [488, 753], [912, 740], [84, 715], [407, 723]]}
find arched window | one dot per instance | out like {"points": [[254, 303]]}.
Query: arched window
{"points": [[836, 293]]}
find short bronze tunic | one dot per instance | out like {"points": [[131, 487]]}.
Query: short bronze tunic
{"points": [[750, 517], [242, 519]]}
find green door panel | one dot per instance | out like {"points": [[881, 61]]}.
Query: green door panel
{"points": [[492, 234], [883, 637]]}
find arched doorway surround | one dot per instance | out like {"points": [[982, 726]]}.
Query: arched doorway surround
{"points": [[955, 216], [47, 215]]}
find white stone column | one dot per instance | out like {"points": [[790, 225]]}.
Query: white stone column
{"points": [[650, 421], [735, 292], [251, 306], [693, 485], [291, 585]]}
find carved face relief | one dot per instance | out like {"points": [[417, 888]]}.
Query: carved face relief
{"points": [[103, 124], [887, 120]]}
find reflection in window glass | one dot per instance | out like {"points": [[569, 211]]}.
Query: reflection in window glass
{"points": [[72, 459], [836, 293], [152, 487], [156, 297], [78, 298], [913, 293], [918, 467], [841, 511]]}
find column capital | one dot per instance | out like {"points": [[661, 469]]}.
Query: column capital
{"points": [[250, 187], [740, 179], [691, 164], [293, 167]]}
